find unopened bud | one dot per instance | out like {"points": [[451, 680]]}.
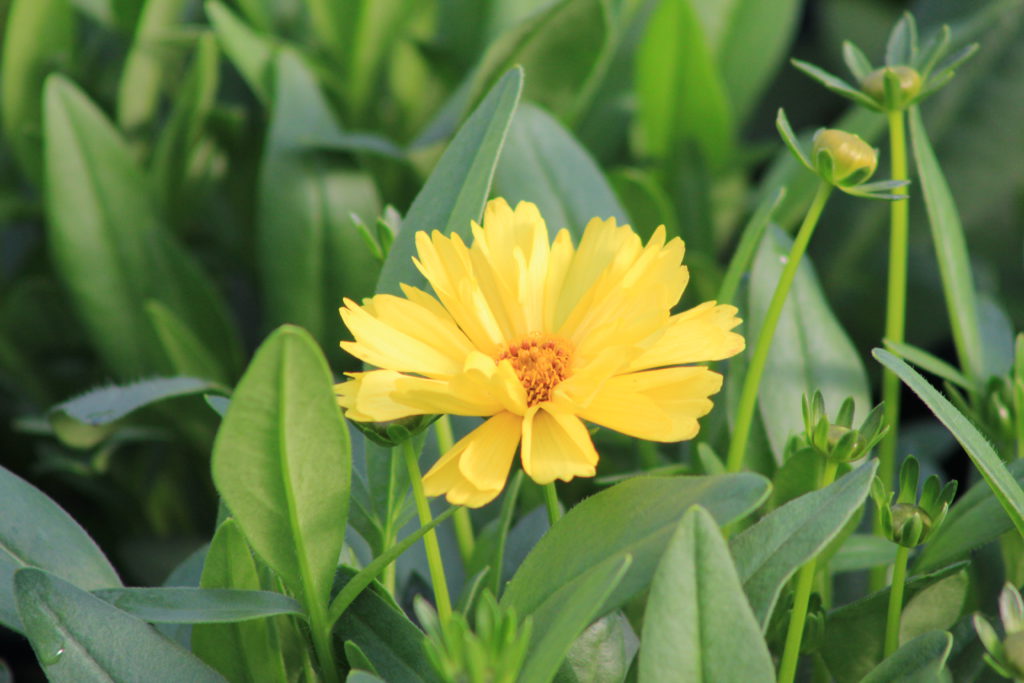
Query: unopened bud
{"points": [[910, 524], [852, 160], [910, 84]]}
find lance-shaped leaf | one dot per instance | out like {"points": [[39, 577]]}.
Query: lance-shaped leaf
{"points": [[281, 462], [697, 625], [185, 605], [769, 552], [36, 532], [79, 638], [455, 193]]}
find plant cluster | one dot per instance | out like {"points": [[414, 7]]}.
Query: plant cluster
{"points": [[379, 340]]}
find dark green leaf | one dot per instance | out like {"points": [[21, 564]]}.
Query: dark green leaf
{"points": [[105, 405], [456, 190], [565, 614], [636, 517], [543, 163], [179, 605], [251, 52], [36, 532], [241, 651], [310, 253], [771, 551], [922, 660], [950, 251], [809, 352], [385, 635], [77, 637], [39, 36], [109, 245], [697, 625], [601, 653], [854, 634], [985, 459], [975, 519]]}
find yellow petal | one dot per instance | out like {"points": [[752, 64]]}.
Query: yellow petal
{"points": [[556, 445], [694, 336], [486, 454], [380, 344], [486, 459], [679, 394]]}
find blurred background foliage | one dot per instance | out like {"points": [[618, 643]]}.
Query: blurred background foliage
{"points": [[177, 178]]}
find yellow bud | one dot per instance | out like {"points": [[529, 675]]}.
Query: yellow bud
{"points": [[910, 84], [853, 160]]}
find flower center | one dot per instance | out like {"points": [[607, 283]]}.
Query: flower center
{"points": [[540, 362]]}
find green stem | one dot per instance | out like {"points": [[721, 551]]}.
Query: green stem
{"points": [[752, 380], [892, 619], [895, 316], [462, 521], [441, 598], [508, 508], [320, 629], [804, 582], [551, 500]]}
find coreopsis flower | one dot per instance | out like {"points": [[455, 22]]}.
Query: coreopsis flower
{"points": [[538, 338]]}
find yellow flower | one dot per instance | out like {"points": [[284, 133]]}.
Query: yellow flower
{"points": [[538, 337]]}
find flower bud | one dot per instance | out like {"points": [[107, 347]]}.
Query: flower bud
{"points": [[910, 524], [909, 85], [843, 158]]}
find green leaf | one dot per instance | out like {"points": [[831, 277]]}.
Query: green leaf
{"points": [[251, 52], [932, 364], [540, 42], [366, 576], [856, 61], [636, 517], [864, 551], [771, 551], [576, 605], [147, 64], [950, 251], [389, 640], [681, 98], [922, 660], [38, 37], [105, 405], [697, 625], [750, 237], [854, 634], [455, 193], [178, 605], [600, 653], [187, 353], [241, 651], [809, 352], [753, 41], [281, 461], [77, 637], [543, 163], [981, 453], [975, 519], [190, 112], [310, 253], [836, 84], [378, 26], [109, 244], [52, 541]]}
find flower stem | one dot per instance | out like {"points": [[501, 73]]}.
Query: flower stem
{"points": [[462, 521], [443, 602], [752, 380], [892, 619], [804, 582], [895, 315], [551, 500]]}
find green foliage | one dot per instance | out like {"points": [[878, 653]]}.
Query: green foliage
{"points": [[179, 179]]}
